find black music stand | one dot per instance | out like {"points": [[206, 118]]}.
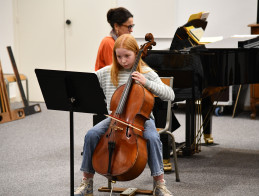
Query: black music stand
{"points": [[73, 92]]}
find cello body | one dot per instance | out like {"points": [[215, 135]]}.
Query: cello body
{"points": [[130, 153]]}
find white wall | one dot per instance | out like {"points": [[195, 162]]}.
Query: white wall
{"points": [[227, 17], [162, 18], [6, 33], [7, 39]]}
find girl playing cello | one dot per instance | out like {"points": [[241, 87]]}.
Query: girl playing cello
{"points": [[110, 78]]}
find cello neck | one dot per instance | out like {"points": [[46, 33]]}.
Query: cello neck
{"points": [[126, 90]]}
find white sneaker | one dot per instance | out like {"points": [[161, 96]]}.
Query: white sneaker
{"points": [[160, 189], [85, 189]]}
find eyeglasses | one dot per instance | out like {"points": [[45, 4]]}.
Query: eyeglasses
{"points": [[129, 26]]}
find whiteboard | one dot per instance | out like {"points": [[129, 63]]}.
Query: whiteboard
{"points": [[156, 17]]}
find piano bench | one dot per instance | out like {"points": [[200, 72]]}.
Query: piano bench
{"points": [[10, 78]]}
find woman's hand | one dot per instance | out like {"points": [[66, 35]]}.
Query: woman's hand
{"points": [[139, 77]]}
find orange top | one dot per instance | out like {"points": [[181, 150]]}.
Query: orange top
{"points": [[104, 55]]}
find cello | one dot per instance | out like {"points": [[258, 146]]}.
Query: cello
{"points": [[121, 153]]}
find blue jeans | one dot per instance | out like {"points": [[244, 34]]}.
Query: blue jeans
{"points": [[154, 146]]}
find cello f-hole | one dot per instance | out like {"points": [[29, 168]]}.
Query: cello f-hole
{"points": [[127, 133]]}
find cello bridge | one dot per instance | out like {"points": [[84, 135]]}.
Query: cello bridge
{"points": [[117, 128]]}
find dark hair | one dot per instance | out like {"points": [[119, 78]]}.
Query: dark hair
{"points": [[118, 15]]}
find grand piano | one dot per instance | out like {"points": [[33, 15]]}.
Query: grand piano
{"points": [[202, 69]]}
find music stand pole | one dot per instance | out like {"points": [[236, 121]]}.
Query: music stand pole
{"points": [[71, 114]]}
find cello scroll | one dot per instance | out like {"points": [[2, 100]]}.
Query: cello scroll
{"points": [[147, 46]]}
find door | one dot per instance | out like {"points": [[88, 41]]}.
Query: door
{"points": [[83, 36], [44, 40], [39, 39]]}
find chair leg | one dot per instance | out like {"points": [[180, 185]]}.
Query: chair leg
{"points": [[175, 157]]}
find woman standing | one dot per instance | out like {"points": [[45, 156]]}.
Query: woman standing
{"points": [[121, 21]]}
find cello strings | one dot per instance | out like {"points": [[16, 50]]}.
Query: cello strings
{"points": [[125, 93], [123, 99]]}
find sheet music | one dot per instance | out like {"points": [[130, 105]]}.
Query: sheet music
{"points": [[211, 39], [204, 15]]}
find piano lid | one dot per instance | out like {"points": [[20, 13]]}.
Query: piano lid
{"points": [[233, 43]]}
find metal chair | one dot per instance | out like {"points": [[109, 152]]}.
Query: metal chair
{"points": [[169, 81]]}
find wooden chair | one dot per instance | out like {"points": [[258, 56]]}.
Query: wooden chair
{"points": [[9, 78]]}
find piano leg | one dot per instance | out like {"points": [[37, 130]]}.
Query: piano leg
{"points": [[207, 105], [190, 125]]}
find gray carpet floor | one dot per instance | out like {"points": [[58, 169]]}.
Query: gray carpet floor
{"points": [[35, 155]]}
